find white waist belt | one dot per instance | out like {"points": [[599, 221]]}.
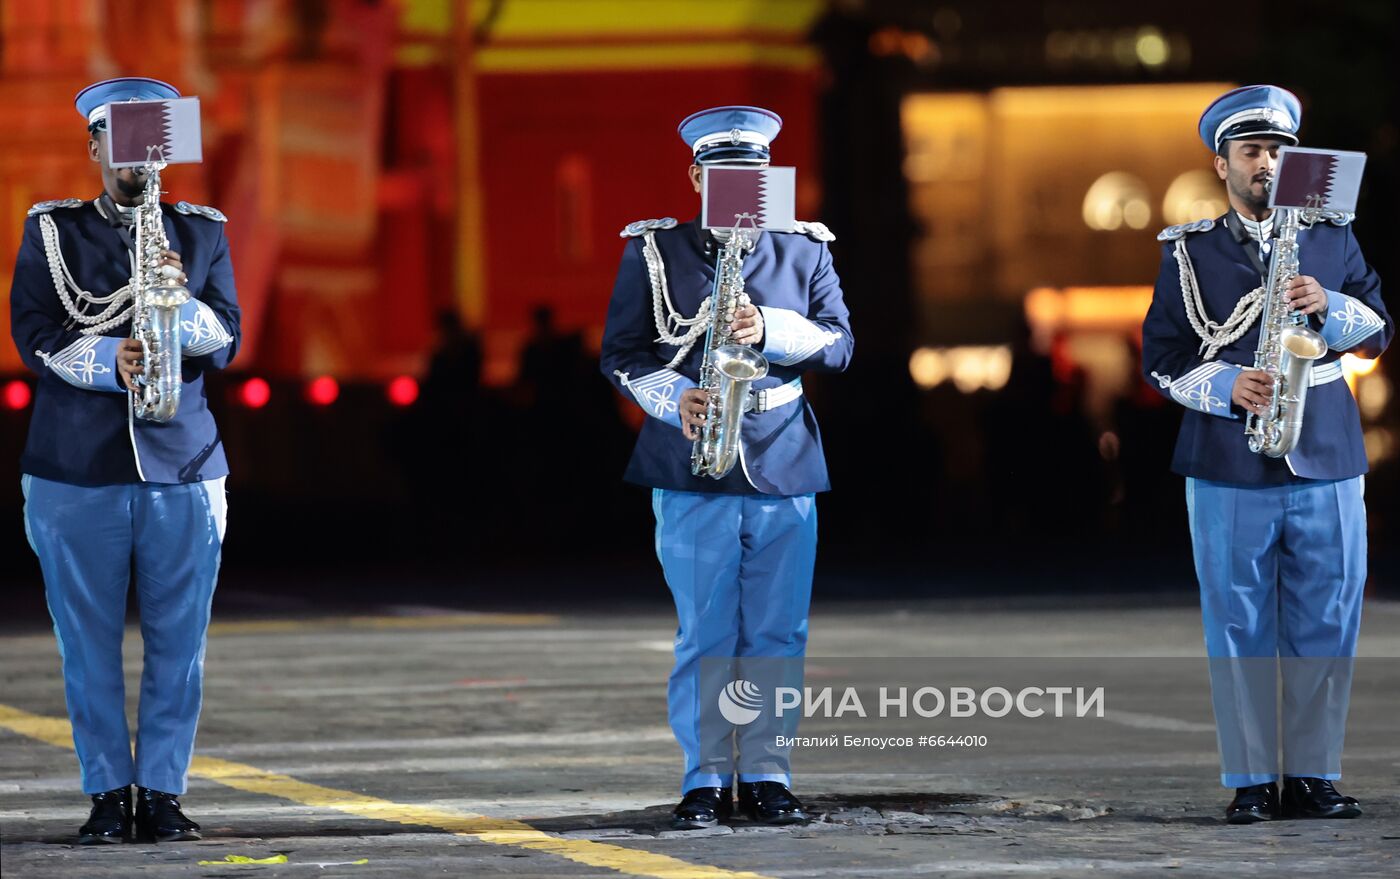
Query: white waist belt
{"points": [[772, 398], [1328, 372]]}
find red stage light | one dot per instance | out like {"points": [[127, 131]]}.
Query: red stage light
{"points": [[403, 391], [323, 391], [255, 393], [17, 394]]}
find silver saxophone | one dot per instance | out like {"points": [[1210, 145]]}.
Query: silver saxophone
{"points": [[1287, 346], [155, 312], [727, 370]]}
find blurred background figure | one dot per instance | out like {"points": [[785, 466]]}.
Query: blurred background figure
{"points": [[454, 366]]}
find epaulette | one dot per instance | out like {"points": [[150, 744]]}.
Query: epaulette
{"points": [[45, 207], [199, 210], [815, 231], [1172, 233], [642, 227], [1337, 218]]}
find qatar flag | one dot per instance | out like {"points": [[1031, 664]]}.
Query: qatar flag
{"points": [[142, 132], [752, 198], [1324, 179]]}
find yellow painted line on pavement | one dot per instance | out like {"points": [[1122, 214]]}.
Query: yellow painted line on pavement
{"points": [[426, 621], [497, 831]]}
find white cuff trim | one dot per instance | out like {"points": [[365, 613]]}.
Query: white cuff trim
{"points": [[89, 363], [659, 393], [1207, 388], [1349, 321], [201, 331], [789, 338]]}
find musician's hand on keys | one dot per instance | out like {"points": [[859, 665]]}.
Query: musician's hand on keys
{"points": [[1252, 390], [171, 258], [1306, 295], [692, 409], [129, 363], [747, 325]]}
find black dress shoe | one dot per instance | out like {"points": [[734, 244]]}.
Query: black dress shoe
{"points": [[1258, 802], [770, 802], [702, 807], [110, 820], [1305, 797], [159, 819]]}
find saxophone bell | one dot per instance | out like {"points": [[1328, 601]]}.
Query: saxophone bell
{"points": [[1281, 427], [735, 369]]}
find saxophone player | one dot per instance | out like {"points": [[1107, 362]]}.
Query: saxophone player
{"points": [[113, 500], [737, 551], [1279, 542]]}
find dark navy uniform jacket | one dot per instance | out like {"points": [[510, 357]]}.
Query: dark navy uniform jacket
{"points": [[790, 277], [82, 431], [1227, 265]]}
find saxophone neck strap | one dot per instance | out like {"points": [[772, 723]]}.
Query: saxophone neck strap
{"points": [[120, 218]]}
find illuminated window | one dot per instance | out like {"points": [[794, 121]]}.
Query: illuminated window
{"points": [[1194, 195], [1115, 200], [971, 368]]}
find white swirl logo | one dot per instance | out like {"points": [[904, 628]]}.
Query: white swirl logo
{"points": [[740, 702]]}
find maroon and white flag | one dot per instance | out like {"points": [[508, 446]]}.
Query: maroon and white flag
{"points": [[1324, 179], [141, 132], [752, 198]]}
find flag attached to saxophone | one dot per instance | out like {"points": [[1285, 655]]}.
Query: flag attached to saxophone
{"points": [[1322, 179], [143, 132], [751, 198]]}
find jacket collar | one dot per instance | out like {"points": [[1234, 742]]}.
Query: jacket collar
{"points": [[1245, 230]]}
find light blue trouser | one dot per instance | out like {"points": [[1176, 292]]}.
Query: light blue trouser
{"points": [[1282, 569], [740, 570], [89, 540]]}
